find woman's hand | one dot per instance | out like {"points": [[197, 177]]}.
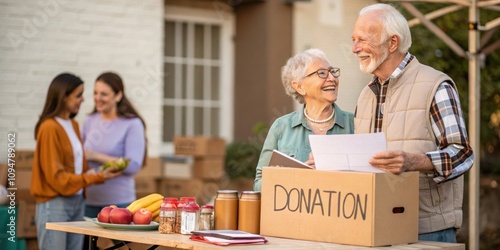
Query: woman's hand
{"points": [[108, 173], [91, 171], [310, 161], [98, 157], [89, 155], [111, 172]]}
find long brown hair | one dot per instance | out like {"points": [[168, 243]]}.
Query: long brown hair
{"points": [[60, 87], [124, 107]]}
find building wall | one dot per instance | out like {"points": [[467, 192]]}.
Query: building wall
{"points": [[222, 16], [41, 39], [327, 25], [263, 44]]}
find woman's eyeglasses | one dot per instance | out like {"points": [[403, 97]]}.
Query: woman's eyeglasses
{"points": [[323, 73]]}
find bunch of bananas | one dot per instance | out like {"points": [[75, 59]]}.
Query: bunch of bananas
{"points": [[121, 164], [151, 202]]}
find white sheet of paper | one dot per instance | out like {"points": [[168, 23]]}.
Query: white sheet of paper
{"points": [[348, 152]]}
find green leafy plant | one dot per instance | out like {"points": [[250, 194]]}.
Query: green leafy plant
{"points": [[242, 156]]}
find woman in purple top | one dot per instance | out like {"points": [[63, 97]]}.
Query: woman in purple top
{"points": [[114, 129]]}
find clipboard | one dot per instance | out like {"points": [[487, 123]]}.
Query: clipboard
{"points": [[227, 237], [280, 159]]}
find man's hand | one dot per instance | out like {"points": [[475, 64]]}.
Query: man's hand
{"points": [[397, 162]]}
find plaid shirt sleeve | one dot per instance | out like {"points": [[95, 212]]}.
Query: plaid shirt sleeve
{"points": [[454, 156]]}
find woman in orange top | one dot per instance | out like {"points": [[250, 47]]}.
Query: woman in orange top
{"points": [[59, 169]]}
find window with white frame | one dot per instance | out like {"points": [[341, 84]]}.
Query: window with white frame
{"points": [[197, 85]]}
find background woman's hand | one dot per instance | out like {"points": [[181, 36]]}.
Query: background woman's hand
{"points": [[98, 157], [111, 172], [108, 173], [91, 171], [89, 155]]}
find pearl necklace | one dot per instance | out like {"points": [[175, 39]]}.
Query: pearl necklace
{"points": [[321, 129], [318, 121]]}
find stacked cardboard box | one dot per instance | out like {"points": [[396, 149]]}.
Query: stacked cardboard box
{"points": [[24, 159], [177, 166], [3, 174], [26, 227], [208, 154], [146, 180], [196, 169]]}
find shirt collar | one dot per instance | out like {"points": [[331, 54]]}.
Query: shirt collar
{"points": [[397, 71], [340, 119]]}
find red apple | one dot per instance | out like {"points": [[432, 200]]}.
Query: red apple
{"points": [[142, 216], [120, 216], [103, 215]]}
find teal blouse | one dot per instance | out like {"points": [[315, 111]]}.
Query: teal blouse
{"points": [[290, 135]]}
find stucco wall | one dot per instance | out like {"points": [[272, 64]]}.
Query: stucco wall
{"points": [[40, 39], [327, 25], [263, 43]]}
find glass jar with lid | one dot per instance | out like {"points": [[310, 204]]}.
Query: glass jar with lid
{"points": [[189, 217], [249, 212], [226, 210], [178, 220], [206, 217], [168, 213]]}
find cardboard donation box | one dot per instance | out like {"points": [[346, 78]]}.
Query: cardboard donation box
{"points": [[354, 208]]}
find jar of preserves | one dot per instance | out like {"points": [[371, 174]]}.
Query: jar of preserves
{"points": [[249, 212], [226, 210], [168, 214], [206, 218], [189, 216], [178, 220]]}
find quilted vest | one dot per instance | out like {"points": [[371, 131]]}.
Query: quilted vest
{"points": [[407, 127]]}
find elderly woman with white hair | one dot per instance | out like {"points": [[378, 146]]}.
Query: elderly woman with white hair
{"points": [[311, 80]]}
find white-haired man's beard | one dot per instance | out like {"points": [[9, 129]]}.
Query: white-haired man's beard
{"points": [[374, 64]]}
